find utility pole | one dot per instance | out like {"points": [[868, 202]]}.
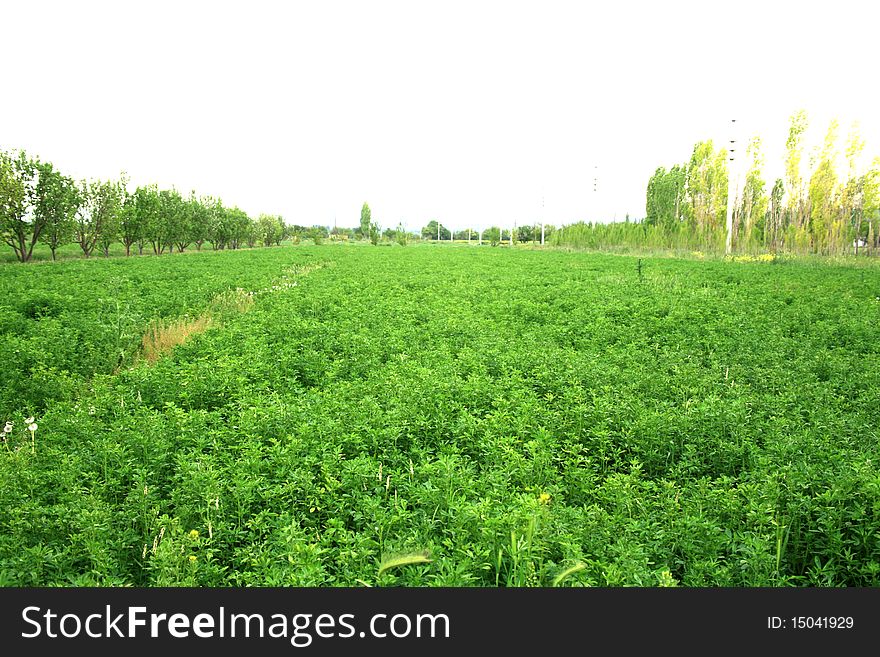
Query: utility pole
{"points": [[542, 220], [596, 192], [732, 189]]}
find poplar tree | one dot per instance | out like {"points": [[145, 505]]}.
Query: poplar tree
{"points": [[366, 220]]}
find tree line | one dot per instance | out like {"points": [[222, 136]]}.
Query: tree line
{"points": [[41, 205], [816, 207]]}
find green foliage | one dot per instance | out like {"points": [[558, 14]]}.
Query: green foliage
{"points": [[435, 231], [98, 215], [666, 197], [525, 417], [401, 235], [55, 204], [686, 206], [492, 235], [20, 221], [366, 219], [822, 191], [271, 229], [40, 205]]}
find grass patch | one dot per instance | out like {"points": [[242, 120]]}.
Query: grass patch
{"points": [[163, 335]]}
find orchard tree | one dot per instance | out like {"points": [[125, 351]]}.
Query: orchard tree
{"points": [[200, 217], [169, 223], [56, 201], [96, 215], [271, 229], [20, 224], [182, 224], [148, 211], [239, 225], [130, 229], [252, 235], [221, 231], [110, 201]]}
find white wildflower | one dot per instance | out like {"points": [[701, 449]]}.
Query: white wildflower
{"points": [[32, 426]]}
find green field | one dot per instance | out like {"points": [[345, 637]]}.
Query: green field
{"points": [[504, 417]]}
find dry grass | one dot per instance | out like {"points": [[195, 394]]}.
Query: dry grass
{"points": [[163, 335], [232, 301]]}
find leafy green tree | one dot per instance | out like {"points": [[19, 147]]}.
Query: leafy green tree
{"points": [[56, 201], [871, 203], [375, 233], [183, 226], [665, 196], [129, 224], [749, 228], [252, 235], [400, 235], [152, 206], [707, 191], [492, 235], [794, 182], [271, 229], [431, 231], [220, 230], [852, 198], [822, 194], [366, 219], [20, 224], [317, 233], [147, 211], [200, 219], [110, 201], [774, 226], [239, 225], [171, 223], [97, 214]]}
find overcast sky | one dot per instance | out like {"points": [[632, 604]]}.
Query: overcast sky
{"points": [[469, 112]]}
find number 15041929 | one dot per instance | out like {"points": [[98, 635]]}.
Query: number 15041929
{"points": [[810, 623]]}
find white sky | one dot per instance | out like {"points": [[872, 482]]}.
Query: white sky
{"points": [[468, 112]]}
